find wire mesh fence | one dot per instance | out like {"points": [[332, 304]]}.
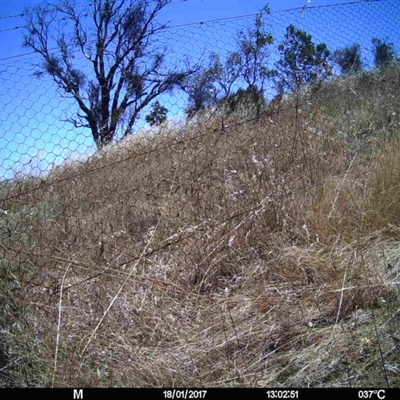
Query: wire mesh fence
{"points": [[36, 136], [182, 206]]}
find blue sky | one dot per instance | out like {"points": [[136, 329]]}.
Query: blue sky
{"points": [[33, 132]]}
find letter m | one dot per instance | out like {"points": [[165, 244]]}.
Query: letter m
{"points": [[78, 394]]}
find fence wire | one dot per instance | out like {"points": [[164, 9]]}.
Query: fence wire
{"points": [[195, 173], [54, 180], [63, 203]]}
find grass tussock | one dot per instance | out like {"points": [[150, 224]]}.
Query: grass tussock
{"points": [[227, 253]]}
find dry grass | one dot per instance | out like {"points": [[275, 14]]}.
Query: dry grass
{"points": [[259, 253]]}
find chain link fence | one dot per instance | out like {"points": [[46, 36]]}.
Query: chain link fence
{"points": [[176, 209]]}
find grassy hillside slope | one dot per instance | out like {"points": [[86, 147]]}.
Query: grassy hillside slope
{"points": [[230, 253]]}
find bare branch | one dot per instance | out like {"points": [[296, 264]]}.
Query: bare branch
{"points": [[118, 41]]}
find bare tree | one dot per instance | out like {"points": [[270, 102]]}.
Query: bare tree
{"points": [[107, 57]]}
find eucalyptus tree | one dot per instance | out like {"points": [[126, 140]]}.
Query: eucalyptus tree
{"points": [[107, 56]]}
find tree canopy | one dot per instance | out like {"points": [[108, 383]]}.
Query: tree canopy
{"points": [[302, 62], [107, 57], [247, 64], [384, 53], [349, 59]]}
